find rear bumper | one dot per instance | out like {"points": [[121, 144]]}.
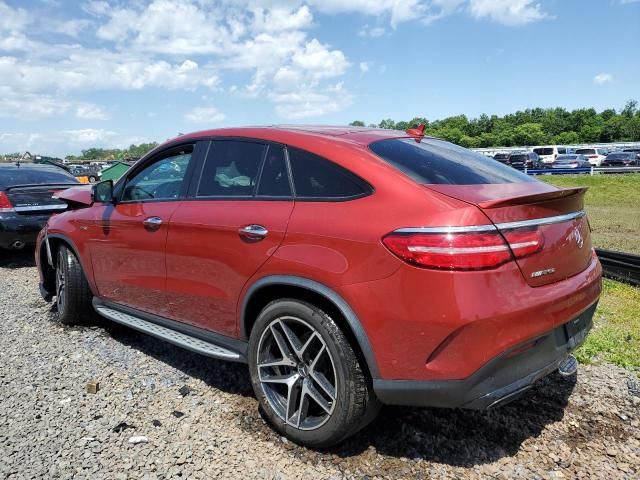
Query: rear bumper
{"points": [[21, 228], [500, 380]]}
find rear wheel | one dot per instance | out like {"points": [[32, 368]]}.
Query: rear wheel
{"points": [[73, 296], [306, 376]]}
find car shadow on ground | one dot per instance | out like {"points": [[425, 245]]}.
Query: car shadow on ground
{"points": [[454, 437], [464, 437], [12, 259]]}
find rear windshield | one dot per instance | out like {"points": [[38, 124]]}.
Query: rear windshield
{"points": [[614, 156], [435, 161], [518, 158], [586, 151], [567, 157], [10, 177], [543, 151]]}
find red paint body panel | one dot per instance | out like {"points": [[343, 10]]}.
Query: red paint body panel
{"points": [[76, 195], [208, 263], [422, 324], [129, 260]]}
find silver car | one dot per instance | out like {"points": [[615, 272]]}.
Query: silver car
{"points": [[571, 161]]}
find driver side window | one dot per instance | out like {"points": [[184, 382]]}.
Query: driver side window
{"points": [[160, 180]]}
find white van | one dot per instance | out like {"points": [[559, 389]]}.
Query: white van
{"points": [[549, 153]]}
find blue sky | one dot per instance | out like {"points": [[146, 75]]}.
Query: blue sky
{"points": [[111, 73]]}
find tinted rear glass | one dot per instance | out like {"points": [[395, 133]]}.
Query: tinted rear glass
{"points": [[588, 151], [518, 158], [438, 162], [618, 156], [316, 178], [10, 177], [567, 157], [543, 151]]}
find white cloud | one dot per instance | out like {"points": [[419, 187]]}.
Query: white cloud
{"points": [[306, 103], [205, 115], [34, 106], [89, 111], [507, 12], [364, 67], [602, 78], [63, 142], [373, 32]]}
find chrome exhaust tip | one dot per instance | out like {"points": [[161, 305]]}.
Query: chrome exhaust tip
{"points": [[568, 367]]}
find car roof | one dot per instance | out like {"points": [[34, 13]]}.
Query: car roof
{"points": [[361, 136]]}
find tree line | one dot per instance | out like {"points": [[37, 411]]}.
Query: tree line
{"points": [[535, 126], [132, 153]]}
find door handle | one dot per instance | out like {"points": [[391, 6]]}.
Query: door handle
{"points": [[152, 223], [253, 232]]}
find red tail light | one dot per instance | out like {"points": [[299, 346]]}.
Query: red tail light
{"points": [[463, 251], [5, 203]]}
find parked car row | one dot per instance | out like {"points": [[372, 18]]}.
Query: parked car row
{"points": [[563, 157]]}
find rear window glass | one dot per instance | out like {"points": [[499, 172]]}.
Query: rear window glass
{"points": [[317, 178], [543, 151], [435, 161], [567, 157], [614, 156], [10, 177], [586, 151], [231, 169], [274, 179]]}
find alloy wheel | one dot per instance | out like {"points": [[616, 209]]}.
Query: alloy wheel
{"points": [[297, 373], [60, 284]]}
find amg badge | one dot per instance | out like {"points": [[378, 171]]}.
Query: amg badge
{"points": [[541, 273]]}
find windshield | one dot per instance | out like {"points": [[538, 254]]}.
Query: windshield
{"points": [[10, 177], [434, 161]]}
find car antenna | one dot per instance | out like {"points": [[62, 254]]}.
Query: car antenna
{"points": [[417, 133]]}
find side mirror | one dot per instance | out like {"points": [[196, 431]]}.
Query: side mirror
{"points": [[103, 192]]}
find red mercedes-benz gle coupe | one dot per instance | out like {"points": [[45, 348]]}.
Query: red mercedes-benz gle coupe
{"points": [[349, 267]]}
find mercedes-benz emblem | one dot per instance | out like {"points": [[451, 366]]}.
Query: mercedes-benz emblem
{"points": [[578, 237]]}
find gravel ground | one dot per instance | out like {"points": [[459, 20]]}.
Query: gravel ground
{"points": [[200, 419]]}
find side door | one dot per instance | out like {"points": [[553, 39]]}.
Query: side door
{"points": [[235, 219], [130, 235]]}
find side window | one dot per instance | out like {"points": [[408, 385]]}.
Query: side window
{"points": [[162, 179], [231, 169], [316, 178], [274, 180]]}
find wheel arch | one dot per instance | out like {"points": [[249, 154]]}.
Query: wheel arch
{"points": [[56, 240], [273, 287]]}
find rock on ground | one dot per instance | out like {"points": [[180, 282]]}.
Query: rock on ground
{"points": [[50, 427]]}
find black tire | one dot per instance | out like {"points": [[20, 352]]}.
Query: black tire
{"points": [[73, 295], [92, 179], [354, 404]]}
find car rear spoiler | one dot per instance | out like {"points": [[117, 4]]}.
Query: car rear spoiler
{"points": [[533, 198]]}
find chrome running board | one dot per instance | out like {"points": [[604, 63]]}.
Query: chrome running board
{"points": [[177, 338]]}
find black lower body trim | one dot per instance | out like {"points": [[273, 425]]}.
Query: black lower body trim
{"points": [[497, 382]]}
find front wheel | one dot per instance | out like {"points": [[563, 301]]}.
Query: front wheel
{"points": [[73, 296], [307, 376]]}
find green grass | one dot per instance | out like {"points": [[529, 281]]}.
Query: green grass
{"points": [[615, 337], [613, 207]]}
